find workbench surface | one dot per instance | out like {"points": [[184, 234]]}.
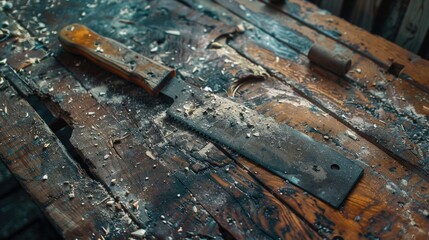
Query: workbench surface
{"points": [[102, 160]]}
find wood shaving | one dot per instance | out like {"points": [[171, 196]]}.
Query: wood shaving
{"points": [[140, 233], [173, 32], [150, 155]]}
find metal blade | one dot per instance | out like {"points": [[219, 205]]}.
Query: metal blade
{"points": [[294, 156]]}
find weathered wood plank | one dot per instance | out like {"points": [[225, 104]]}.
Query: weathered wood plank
{"points": [[347, 101], [374, 47], [414, 26], [40, 162], [121, 152], [324, 125], [113, 116]]}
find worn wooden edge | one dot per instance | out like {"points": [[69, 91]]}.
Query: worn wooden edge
{"points": [[34, 155]]}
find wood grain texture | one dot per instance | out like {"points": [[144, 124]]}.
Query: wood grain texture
{"points": [[174, 183], [31, 151], [371, 46], [337, 95]]}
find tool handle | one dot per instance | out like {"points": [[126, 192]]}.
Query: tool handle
{"points": [[116, 58], [329, 60]]}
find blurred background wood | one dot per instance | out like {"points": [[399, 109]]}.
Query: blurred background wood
{"points": [[404, 22]]}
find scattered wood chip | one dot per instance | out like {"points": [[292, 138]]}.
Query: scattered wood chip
{"points": [[71, 195], [154, 49], [140, 233], [113, 181], [358, 70], [110, 203], [150, 155], [256, 134], [351, 135], [106, 156], [240, 28], [208, 89], [106, 230], [173, 32], [326, 137], [136, 204], [216, 45]]}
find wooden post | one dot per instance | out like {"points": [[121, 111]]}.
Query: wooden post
{"points": [[333, 6], [414, 26]]}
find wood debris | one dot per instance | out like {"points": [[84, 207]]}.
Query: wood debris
{"points": [[136, 204], [351, 135], [173, 32], [110, 203], [140, 233], [216, 45], [240, 28], [150, 155]]}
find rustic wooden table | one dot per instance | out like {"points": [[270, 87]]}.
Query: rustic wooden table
{"points": [[103, 161]]}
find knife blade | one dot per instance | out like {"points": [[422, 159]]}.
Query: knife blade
{"points": [[292, 155]]}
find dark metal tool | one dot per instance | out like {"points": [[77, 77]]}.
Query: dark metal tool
{"points": [[282, 150]]}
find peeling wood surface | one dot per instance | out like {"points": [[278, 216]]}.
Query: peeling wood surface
{"points": [[126, 166]]}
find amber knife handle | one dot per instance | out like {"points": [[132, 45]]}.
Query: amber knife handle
{"points": [[116, 58]]}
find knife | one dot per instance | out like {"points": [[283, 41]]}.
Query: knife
{"points": [[292, 155]]}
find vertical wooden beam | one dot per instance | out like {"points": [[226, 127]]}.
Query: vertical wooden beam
{"points": [[364, 13], [333, 6], [389, 18], [414, 26]]}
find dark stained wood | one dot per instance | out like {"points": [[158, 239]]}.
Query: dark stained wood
{"points": [[372, 46], [364, 102], [48, 173], [158, 176]]}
